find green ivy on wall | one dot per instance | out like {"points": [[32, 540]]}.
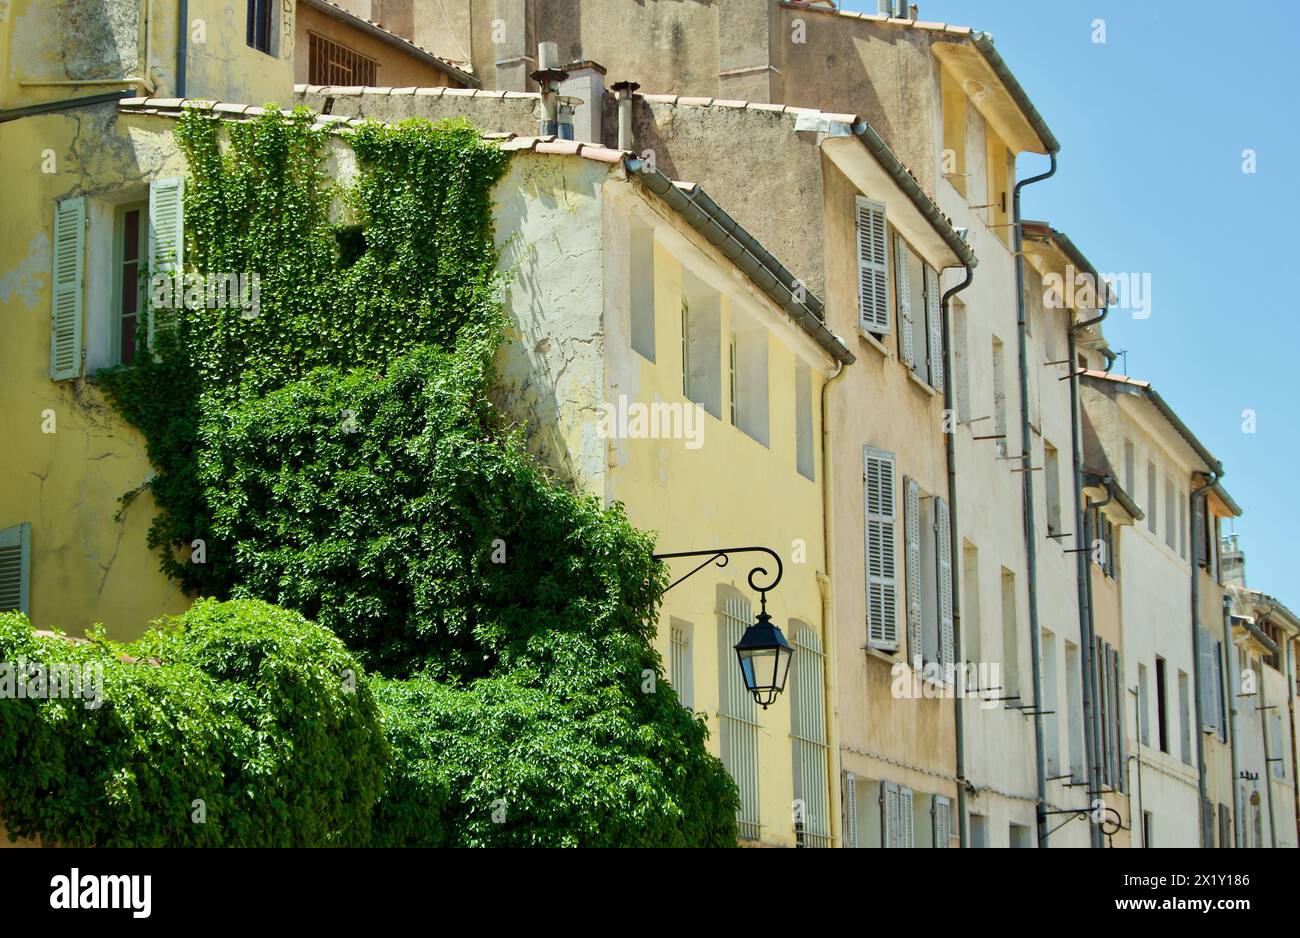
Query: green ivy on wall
{"points": [[338, 456]]}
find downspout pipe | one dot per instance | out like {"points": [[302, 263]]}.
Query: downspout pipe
{"points": [[182, 46], [1268, 766], [1082, 553], [1228, 671], [830, 661], [950, 440], [1211, 480], [1031, 548], [67, 104]]}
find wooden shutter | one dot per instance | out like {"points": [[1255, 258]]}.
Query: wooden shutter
{"points": [[850, 810], [889, 814], [934, 316], [943, 555], [15, 568], [906, 820], [66, 289], [912, 529], [941, 811], [882, 561], [1121, 737], [166, 237], [903, 288], [1198, 525], [1205, 674], [873, 267], [1221, 717]]}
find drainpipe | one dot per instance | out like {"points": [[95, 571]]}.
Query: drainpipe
{"points": [[828, 604], [950, 438], [1031, 548], [1229, 669], [1268, 766], [1211, 479], [1087, 640], [623, 94], [67, 104], [182, 47]]}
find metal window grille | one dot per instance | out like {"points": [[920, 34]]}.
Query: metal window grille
{"points": [[809, 752], [331, 63], [683, 675], [738, 715]]}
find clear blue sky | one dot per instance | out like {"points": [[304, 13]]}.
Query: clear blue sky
{"points": [[1152, 127]]}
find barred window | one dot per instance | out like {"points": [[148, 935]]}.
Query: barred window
{"points": [[331, 63]]}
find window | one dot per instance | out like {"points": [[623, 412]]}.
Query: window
{"points": [[972, 646], [737, 712], [1010, 638], [1171, 516], [641, 286], [131, 238], [1052, 481], [810, 752], [748, 382], [1182, 525], [929, 576], [1275, 751], [1144, 703], [961, 360], [1225, 826], [873, 266], [1110, 705], [332, 63], [1148, 829], [1208, 677], [851, 839], [954, 131], [979, 831], [1109, 545], [1130, 471], [897, 817], [1051, 727], [805, 444], [1000, 395], [1020, 837], [731, 377], [920, 323], [1185, 715], [1162, 718], [15, 568], [1073, 681], [941, 822], [881, 549], [702, 343], [681, 664], [1153, 498], [262, 23]]}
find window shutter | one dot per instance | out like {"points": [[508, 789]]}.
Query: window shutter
{"points": [[1198, 525], [15, 568], [906, 836], [66, 289], [935, 317], [889, 813], [873, 267], [882, 562], [166, 235], [943, 542], [1121, 730], [942, 811], [850, 810], [1205, 672], [903, 287], [1221, 717], [912, 523]]}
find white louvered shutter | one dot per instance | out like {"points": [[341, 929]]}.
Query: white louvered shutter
{"points": [[66, 289], [850, 810], [1121, 734], [1205, 671], [941, 811], [912, 523], [166, 236], [1220, 710], [881, 550], [903, 287], [906, 819], [943, 542], [889, 813], [15, 568], [935, 317], [873, 267]]}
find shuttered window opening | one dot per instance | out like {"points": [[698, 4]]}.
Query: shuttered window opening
{"points": [[881, 549], [912, 535], [941, 816], [850, 810], [15, 568], [738, 714], [873, 266], [1207, 674], [683, 670], [903, 293], [943, 541], [166, 241], [1225, 826], [896, 818], [810, 752], [67, 286], [934, 316], [332, 63]]}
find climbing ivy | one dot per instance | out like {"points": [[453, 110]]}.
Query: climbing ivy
{"points": [[337, 455]]}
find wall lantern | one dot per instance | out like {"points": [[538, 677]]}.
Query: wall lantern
{"points": [[762, 652]]}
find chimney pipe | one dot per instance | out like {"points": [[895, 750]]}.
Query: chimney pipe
{"points": [[548, 77], [623, 94]]}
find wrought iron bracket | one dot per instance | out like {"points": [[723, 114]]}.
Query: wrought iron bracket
{"points": [[721, 558]]}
